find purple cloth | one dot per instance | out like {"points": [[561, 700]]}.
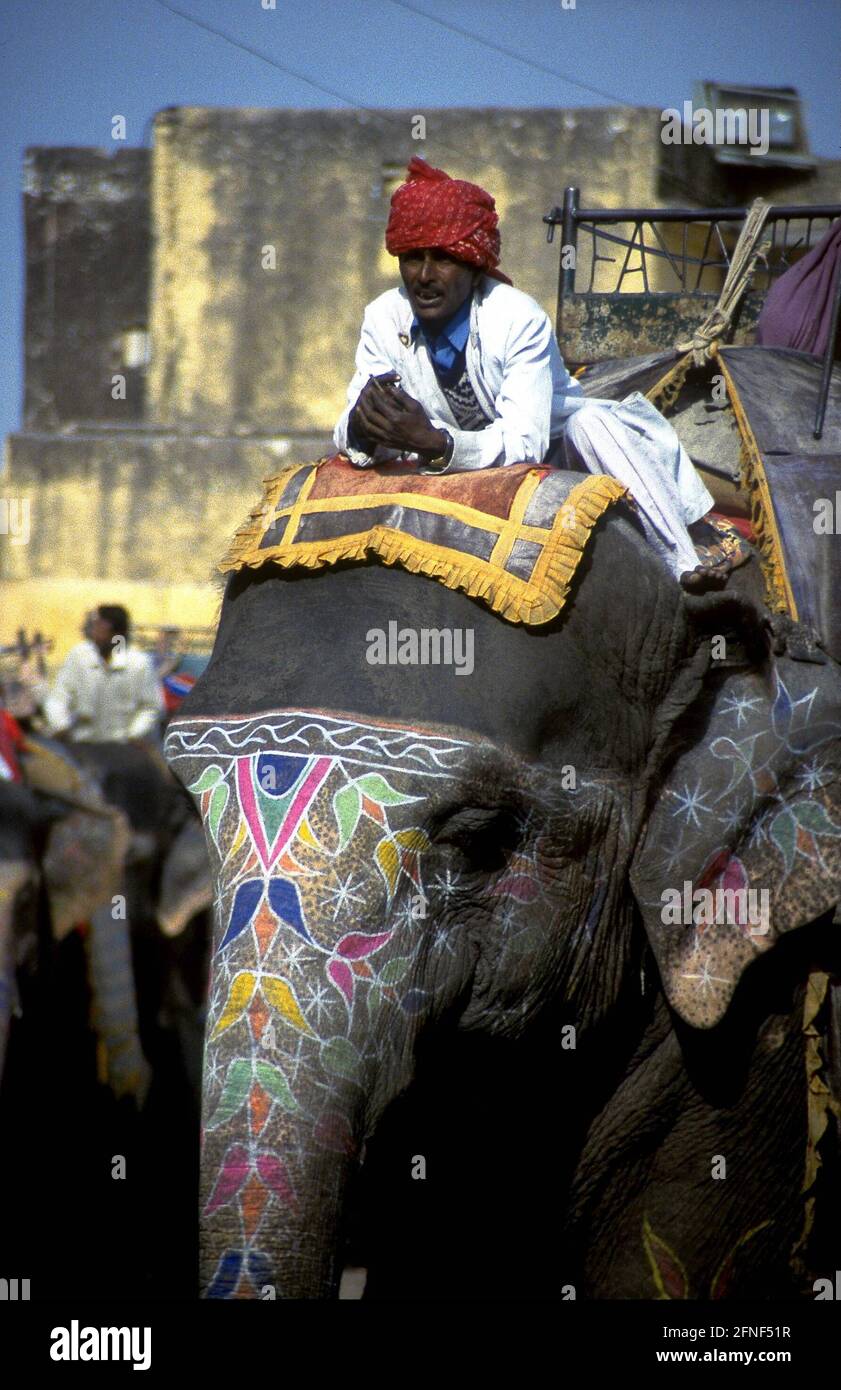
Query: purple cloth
{"points": [[798, 306]]}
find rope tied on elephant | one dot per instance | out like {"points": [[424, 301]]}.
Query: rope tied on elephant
{"points": [[741, 268]]}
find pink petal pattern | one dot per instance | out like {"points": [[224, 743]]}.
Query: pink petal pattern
{"points": [[342, 978], [273, 1173], [235, 1169], [517, 886], [357, 945]]}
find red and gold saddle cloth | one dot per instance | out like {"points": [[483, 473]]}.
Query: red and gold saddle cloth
{"points": [[512, 537]]}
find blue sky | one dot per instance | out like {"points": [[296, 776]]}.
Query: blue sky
{"points": [[69, 65]]}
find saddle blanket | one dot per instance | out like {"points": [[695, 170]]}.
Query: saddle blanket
{"points": [[792, 480], [511, 537]]}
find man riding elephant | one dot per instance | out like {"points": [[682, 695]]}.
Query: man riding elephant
{"points": [[462, 371]]}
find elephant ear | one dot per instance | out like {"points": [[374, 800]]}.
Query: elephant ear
{"points": [[83, 865], [743, 840]]}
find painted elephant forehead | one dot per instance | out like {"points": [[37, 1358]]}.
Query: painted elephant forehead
{"points": [[297, 804], [302, 808], [511, 537], [299, 735]]}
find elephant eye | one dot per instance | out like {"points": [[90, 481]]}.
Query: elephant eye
{"points": [[485, 836]]}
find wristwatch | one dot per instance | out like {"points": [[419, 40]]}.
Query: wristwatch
{"points": [[441, 461]]}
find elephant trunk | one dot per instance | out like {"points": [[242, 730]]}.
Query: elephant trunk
{"points": [[317, 983], [121, 1061], [278, 1145]]}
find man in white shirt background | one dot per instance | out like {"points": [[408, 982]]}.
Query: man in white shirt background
{"points": [[106, 689], [459, 370]]}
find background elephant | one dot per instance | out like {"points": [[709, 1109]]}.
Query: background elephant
{"points": [[96, 1053], [399, 850], [121, 849]]}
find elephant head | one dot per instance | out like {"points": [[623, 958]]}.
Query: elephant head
{"points": [[393, 848]]}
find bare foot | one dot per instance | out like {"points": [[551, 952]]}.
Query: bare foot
{"points": [[705, 577], [721, 549]]}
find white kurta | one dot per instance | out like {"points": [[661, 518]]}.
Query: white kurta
{"points": [[100, 700], [520, 380], [632, 441]]}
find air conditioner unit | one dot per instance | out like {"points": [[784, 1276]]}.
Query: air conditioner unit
{"points": [[756, 126]]}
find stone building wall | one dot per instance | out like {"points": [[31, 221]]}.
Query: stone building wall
{"points": [[88, 260]]}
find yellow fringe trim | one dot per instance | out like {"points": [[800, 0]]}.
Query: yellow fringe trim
{"points": [[533, 602], [753, 481], [754, 484], [670, 386]]}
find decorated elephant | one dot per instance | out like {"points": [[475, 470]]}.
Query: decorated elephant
{"points": [[166, 883], [405, 848], [115, 841]]}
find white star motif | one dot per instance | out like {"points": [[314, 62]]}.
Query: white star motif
{"points": [[444, 938], [758, 834], [526, 824], [448, 884], [406, 918], [691, 802], [343, 894], [294, 951], [670, 858], [218, 900], [211, 1070], [739, 705], [705, 978], [510, 917], [813, 775], [732, 819], [317, 1001]]}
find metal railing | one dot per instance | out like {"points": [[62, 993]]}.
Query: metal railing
{"points": [[647, 241]]}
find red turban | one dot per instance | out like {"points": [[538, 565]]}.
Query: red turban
{"points": [[431, 209]]}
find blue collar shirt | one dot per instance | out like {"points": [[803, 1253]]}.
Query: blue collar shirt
{"points": [[448, 346]]}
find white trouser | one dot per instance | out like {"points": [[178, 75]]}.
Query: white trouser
{"points": [[633, 442]]}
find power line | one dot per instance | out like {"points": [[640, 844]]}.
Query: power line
{"points": [[507, 52], [256, 53], [528, 62]]}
